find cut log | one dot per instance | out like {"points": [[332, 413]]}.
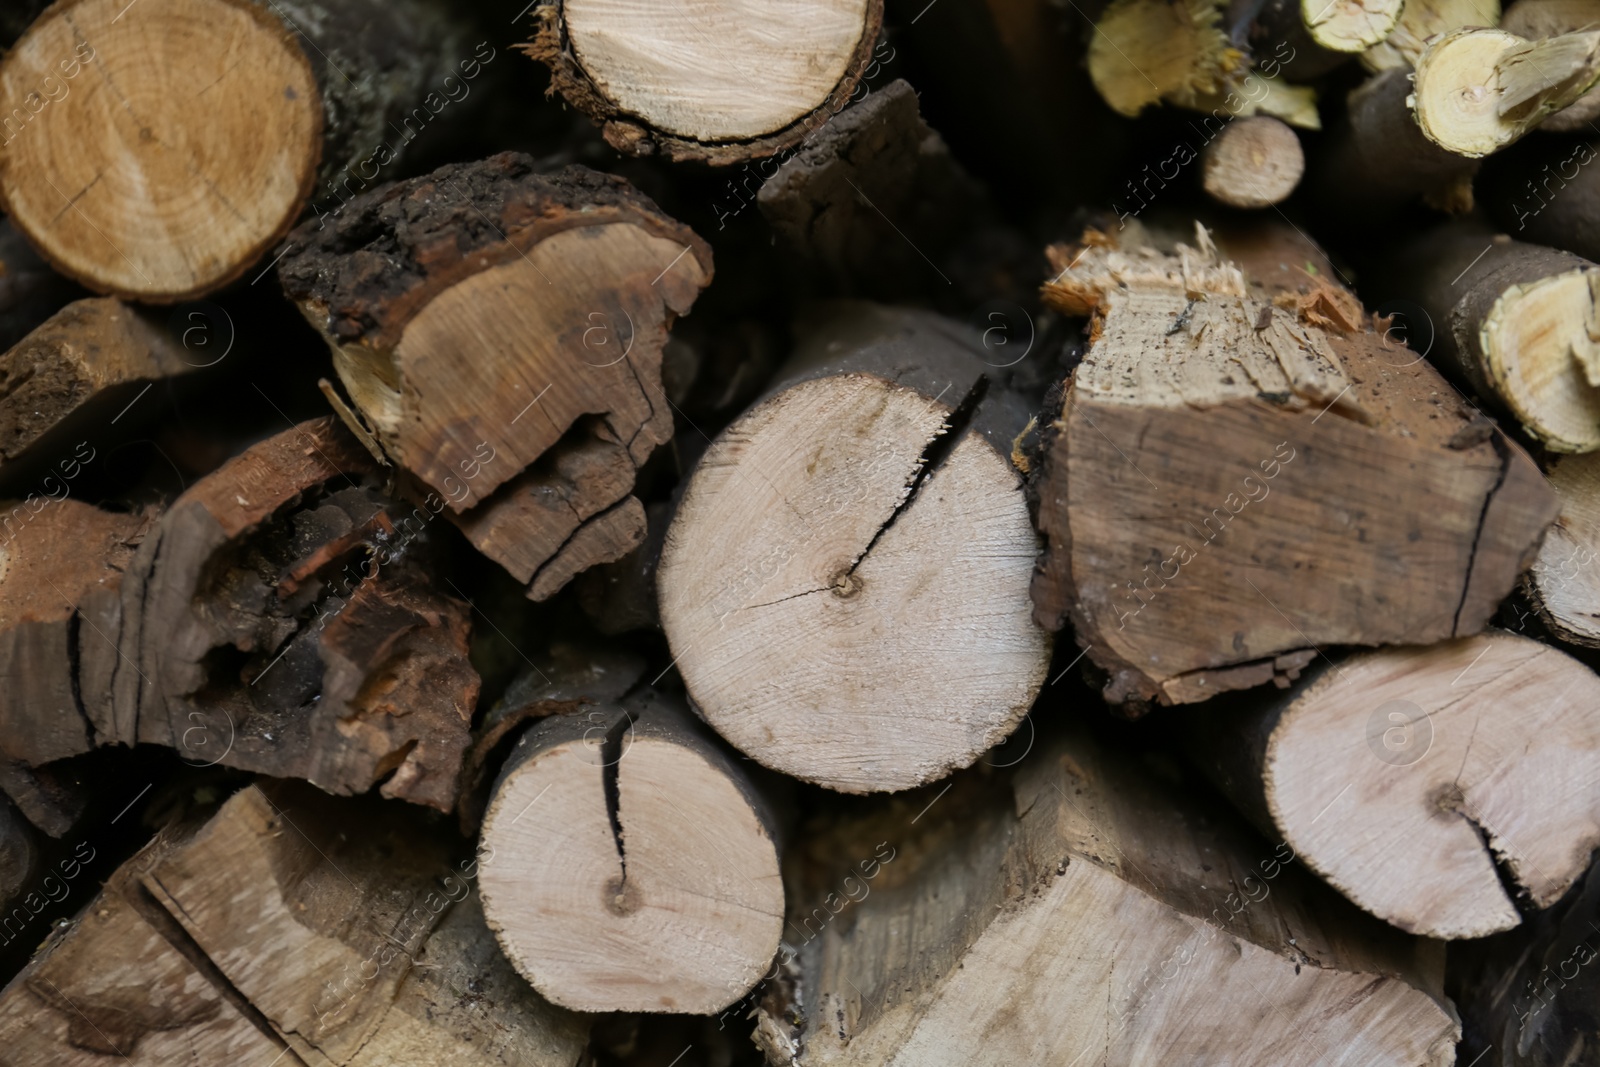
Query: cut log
{"points": [[1538, 20], [1087, 916], [1422, 20], [1527, 996], [62, 567], [85, 364], [668, 897], [361, 949], [1545, 192], [1530, 79], [1564, 583], [156, 153], [844, 584], [1310, 38], [1407, 777], [52, 797], [1182, 45], [284, 619], [1514, 322], [1253, 163], [1209, 426], [18, 854], [542, 326], [657, 82]]}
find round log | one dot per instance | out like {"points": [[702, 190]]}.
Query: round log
{"points": [[1253, 163]]}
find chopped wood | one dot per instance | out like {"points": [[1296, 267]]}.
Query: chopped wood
{"points": [[18, 854], [1564, 582], [1310, 38], [1181, 45], [843, 583], [52, 797], [1253, 163], [1423, 20], [1515, 322], [620, 597], [1207, 430], [657, 82], [668, 897], [1538, 20], [1087, 912], [179, 179], [1435, 787]]}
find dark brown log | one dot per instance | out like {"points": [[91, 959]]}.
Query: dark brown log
{"points": [[620, 597], [1211, 424], [52, 797], [486, 315], [266, 105], [18, 854], [285, 618], [658, 83], [1544, 191]]}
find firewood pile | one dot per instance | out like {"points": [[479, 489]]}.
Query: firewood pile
{"points": [[834, 533]]}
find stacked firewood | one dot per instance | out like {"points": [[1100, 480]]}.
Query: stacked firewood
{"points": [[828, 533]]}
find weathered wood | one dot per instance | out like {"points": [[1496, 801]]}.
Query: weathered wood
{"points": [[1513, 322], [284, 619], [844, 583], [668, 897], [656, 82], [52, 797], [1211, 424], [1564, 583], [1406, 777], [1085, 914], [18, 854], [160, 180], [1253, 163], [620, 597]]}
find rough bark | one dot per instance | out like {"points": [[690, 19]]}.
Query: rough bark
{"points": [[660, 84], [486, 315], [1418, 780], [174, 198], [1210, 426], [1085, 914], [669, 897], [894, 543]]}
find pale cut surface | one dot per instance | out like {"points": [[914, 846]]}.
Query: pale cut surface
{"points": [[513, 355], [1538, 19], [1565, 579], [1145, 51], [860, 671], [1541, 353], [1349, 25], [1478, 90], [1513, 766], [177, 155], [681, 914], [716, 70], [1421, 20], [1253, 163]]}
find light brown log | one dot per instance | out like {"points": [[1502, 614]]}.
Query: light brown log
{"points": [[1253, 163], [657, 82], [668, 896], [1407, 776], [1422, 20], [844, 583], [538, 333], [1564, 582], [1238, 477], [157, 152], [1538, 20], [1084, 914]]}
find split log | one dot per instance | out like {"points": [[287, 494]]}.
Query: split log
{"points": [[541, 323], [1210, 424], [30, 291], [1422, 20], [661, 84], [668, 897], [1182, 46], [81, 369], [162, 180], [844, 584], [52, 797], [1377, 161], [1514, 322], [1087, 915], [284, 619], [1527, 996], [620, 597], [1253, 163], [1545, 192], [1564, 582], [64, 566], [1538, 20], [1530, 80], [1417, 780]]}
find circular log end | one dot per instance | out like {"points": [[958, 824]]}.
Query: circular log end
{"points": [[1454, 96], [157, 151], [1254, 163], [1538, 344], [1349, 25]]}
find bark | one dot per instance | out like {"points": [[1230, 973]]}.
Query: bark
{"points": [[895, 540], [764, 97], [1211, 424], [459, 302], [1543, 191], [670, 897], [1082, 912], [1431, 747]]}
